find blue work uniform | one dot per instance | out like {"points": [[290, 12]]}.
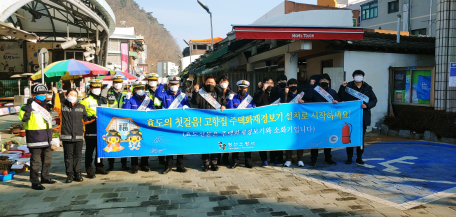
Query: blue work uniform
{"points": [[167, 97]]}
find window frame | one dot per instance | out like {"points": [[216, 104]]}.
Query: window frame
{"points": [[391, 85], [370, 10], [397, 9]]}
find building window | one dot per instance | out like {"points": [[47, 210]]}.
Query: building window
{"points": [[393, 6], [369, 10], [201, 47], [419, 32]]}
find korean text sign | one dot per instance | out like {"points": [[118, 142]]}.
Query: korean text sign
{"points": [[130, 133]]}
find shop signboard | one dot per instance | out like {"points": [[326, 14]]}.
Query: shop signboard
{"points": [[453, 74], [124, 56], [11, 57]]}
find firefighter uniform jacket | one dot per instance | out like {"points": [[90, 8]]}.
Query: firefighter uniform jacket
{"points": [[365, 89], [152, 93], [91, 103], [167, 97], [115, 99], [237, 100], [38, 132], [73, 116], [134, 103]]}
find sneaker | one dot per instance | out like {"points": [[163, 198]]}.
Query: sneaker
{"points": [[313, 163], [300, 164], [287, 164], [265, 163], [330, 162], [349, 161], [360, 161]]}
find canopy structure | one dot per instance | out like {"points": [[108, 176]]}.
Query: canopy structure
{"points": [[7, 29], [216, 40], [309, 25]]}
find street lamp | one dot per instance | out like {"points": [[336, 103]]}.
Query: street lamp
{"points": [[204, 6]]}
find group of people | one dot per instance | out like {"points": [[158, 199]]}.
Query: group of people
{"points": [[78, 119]]}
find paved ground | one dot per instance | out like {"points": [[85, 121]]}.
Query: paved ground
{"points": [[272, 191]]}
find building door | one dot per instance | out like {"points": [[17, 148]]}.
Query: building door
{"points": [[337, 75]]}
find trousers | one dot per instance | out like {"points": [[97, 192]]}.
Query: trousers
{"points": [[40, 157], [72, 153], [359, 151], [289, 154], [235, 155], [170, 159], [272, 155], [144, 162], [122, 160], [91, 147], [212, 157], [314, 154]]}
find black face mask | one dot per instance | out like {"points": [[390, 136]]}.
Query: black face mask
{"points": [[293, 88], [324, 85], [269, 89], [209, 87], [242, 92], [282, 85]]}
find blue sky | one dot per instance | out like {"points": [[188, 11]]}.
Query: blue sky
{"points": [[185, 19]]}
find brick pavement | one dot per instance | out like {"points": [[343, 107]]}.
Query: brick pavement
{"points": [[228, 192]]}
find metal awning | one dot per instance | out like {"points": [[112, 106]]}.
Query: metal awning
{"points": [[10, 30]]}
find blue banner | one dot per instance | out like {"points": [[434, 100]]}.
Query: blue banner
{"points": [[130, 133], [424, 87]]}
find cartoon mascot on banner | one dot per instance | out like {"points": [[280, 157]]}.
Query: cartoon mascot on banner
{"points": [[134, 138], [113, 140]]}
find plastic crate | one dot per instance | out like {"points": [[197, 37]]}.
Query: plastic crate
{"points": [[7, 177]]}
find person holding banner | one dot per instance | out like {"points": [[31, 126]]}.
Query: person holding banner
{"points": [[173, 98], [116, 97], [358, 90], [141, 102], [266, 95], [209, 98], [224, 85], [151, 87], [322, 93], [292, 94], [91, 102], [38, 130], [241, 100]]}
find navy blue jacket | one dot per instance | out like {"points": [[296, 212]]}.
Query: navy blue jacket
{"points": [[167, 97], [134, 103], [365, 89], [237, 100], [316, 97]]}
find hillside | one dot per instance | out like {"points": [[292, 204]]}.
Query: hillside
{"points": [[161, 45]]}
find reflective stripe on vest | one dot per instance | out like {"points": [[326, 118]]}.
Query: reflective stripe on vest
{"points": [[79, 137], [91, 134], [37, 144], [65, 137]]}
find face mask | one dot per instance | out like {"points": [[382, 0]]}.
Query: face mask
{"points": [[242, 92], [96, 91], [118, 86], [324, 85], [40, 98], [153, 83], [269, 88], [282, 85], [72, 99], [359, 78], [224, 85], [293, 88], [174, 88], [140, 92], [209, 87]]}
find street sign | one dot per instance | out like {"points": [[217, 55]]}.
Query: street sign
{"points": [[452, 74], [355, 22], [44, 52]]}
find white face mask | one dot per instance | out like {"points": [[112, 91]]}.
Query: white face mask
{"points": [[140, 92], [96, 91], [224, 85], [72, 99], [118, 86], [174, 88], [359, 78], [153, 83]]}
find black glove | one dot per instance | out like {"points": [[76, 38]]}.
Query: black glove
{"points": [[27, 108]]}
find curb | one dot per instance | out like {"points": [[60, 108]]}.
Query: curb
{"points": [[447, 145]]}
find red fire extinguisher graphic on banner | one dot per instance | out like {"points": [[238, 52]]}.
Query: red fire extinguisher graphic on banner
{"points": [[346, 133]]}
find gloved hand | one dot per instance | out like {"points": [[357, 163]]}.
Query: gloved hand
{"points": [[27, 108], [128, 96], [160, 80]]}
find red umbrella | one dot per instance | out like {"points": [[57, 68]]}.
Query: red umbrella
{"points": [[128, 76]]}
